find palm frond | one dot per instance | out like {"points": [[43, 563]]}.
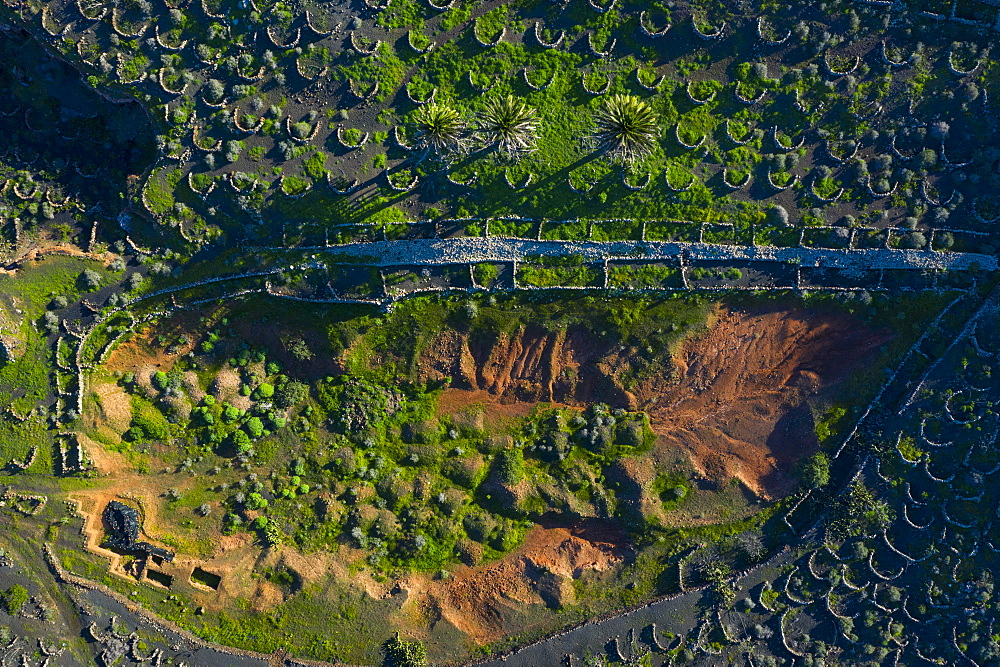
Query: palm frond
{"points": [[627, 128], [510, 125], [440, 128]]}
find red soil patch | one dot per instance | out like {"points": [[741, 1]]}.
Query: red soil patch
{"points": [[477, 600], [454, 401], [142, 351], [738, 408], [531, 365], [735, 402], [52, 248]]}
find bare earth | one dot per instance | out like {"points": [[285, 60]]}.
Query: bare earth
{"points": [[735, 403], [738, 408], [476, 599]]}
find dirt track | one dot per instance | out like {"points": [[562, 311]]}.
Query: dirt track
{"points": [[37, 253], [474, 249]]}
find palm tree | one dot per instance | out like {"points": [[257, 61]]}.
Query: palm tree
{"points": [[440, 129], [626, 128], [510, 125]]}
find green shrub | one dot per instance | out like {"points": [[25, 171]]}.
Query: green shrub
{"points": [[14, 598], [160, 380], [241, 442], [510, 466], [255, 501], [255, 427], [814, 471], [148, 425], [315, 166], [486, 274], [298, 348], [291, 393]]}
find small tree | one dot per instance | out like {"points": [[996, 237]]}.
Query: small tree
{"points": [[927, 159], [241, 442], [89, 280], [230, 413], [214, 90], [50, 322], [272, 534], [778, 215], [627, 128], [160, 380], [440, 129], [939, 215], [255, 501], [291, 393], [751, 543], [814, 471], [510, 466], [509, 125], [255, 427], [233, 150], [914, 241], [940, 130], [298, 348]]}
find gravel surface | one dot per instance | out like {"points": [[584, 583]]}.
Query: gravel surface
{"points": [[494, 249]]}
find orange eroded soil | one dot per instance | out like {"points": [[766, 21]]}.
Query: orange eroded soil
{"points": [[738, 408], [51, 248], [735, 403], [478, 600], [143, 355], [530, 366]]}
